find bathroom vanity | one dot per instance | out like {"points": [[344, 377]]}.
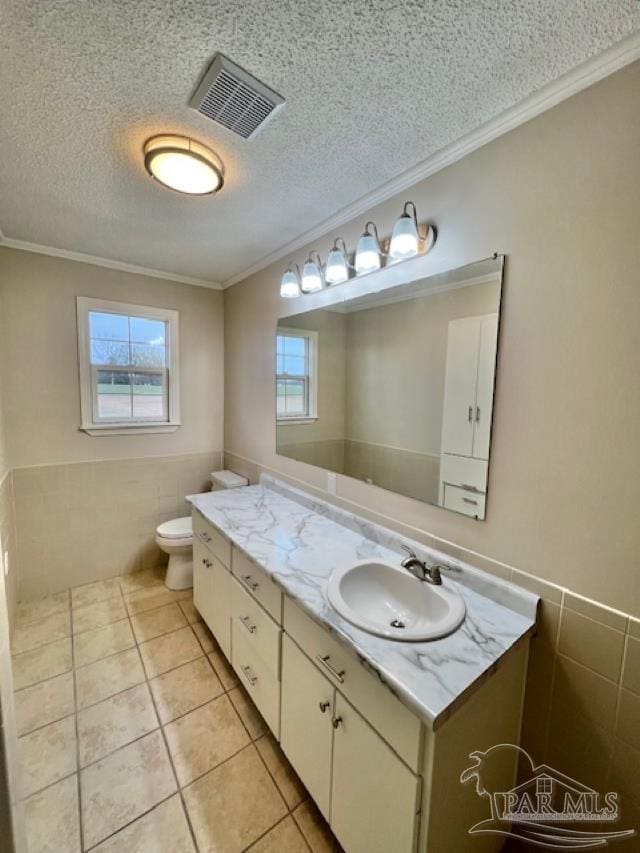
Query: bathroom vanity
{"points": [[379, 730]]}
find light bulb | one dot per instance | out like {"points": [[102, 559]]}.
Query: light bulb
{"points": [[367, 254], [289, 287], [336, 271], [404, 240], [311, 277]]}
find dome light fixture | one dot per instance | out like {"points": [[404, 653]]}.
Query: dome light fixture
{"points": [[337, 269], [368, 250], [290, 283], [183, 165], [312, 274]]}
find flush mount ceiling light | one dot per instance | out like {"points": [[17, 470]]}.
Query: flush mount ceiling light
{"points": [[290, 283], [183, 165], [368, 250]]}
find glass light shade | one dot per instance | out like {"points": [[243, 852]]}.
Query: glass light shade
{"points": [[184, 165], [404, 240], [367, 254], [289, 287], [311, 277], [336, 271]]}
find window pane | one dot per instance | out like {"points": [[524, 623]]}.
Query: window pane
{"points": [[295, 346], [109, 352], [115, 327], [294, 365], [114, 395], [295, 402], [148, 331], [147, 356], [148, 396], [279, 344], [279, 364]]}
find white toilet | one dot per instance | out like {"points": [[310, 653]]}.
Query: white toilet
{"points": [[175, 537]]}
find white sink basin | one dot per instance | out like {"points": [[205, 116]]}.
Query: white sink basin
{"points": [[389, 602]]}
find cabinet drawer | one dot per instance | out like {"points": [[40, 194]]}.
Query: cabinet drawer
{"points": [[258, 583], [261, 631], [261, 684], [394, 721], [464, 501], [463, 471], [219, 546]]}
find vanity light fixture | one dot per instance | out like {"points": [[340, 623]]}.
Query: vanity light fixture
{"points": [[290, 283], [337, 268], [312, 274], [183, 165], [405, 239], [368, 250]]}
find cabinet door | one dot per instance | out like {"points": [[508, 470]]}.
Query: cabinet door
{"points": [[484, 394], [305, 729], [212, 594], [375, 797], [458, 413]]}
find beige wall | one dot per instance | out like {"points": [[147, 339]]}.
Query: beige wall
{"points": [[559, 196]]}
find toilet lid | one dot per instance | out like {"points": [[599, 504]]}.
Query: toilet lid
{"points": [[177, 528]]}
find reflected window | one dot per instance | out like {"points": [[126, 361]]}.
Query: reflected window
{"points": [[296, 376]]}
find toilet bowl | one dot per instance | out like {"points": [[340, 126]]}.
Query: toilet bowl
{"points": [[175, 537]]}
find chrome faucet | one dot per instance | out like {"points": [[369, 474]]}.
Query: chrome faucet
{"points": [[419, 569]]}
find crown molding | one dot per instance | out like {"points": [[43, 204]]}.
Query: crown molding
{"points": [[574, 81], [36, 248]]}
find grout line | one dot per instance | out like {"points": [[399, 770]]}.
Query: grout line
{"points": [[49, 785], [125, 825]]}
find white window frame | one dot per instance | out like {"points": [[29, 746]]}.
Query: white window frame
{"points": [[312, 389], [88, 387]]}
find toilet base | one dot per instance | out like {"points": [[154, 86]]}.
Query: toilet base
{"points": [[179, 571]]}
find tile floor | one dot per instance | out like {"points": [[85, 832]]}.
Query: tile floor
{"points": [[135, 736]]}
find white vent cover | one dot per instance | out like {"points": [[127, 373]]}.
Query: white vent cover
{"points": [[232, 97]]}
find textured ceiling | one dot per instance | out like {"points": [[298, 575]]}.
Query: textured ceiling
{"points": [[371, 89]]}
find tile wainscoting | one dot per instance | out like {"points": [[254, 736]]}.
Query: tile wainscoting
{"points": [[87, 521], [582, 701], [8, 542]]}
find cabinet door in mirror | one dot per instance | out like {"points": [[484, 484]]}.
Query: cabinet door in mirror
{"points": [[395, 386]]}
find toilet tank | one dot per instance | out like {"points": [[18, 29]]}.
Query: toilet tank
{"points": [[227, 480]]}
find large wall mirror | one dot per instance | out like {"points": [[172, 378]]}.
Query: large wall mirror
{"points": [[395, 387]]}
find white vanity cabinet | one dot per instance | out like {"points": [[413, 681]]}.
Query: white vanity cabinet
{"points": [[212, 593]]}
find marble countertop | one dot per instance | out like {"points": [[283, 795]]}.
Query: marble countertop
{"points": [[299, 540]]}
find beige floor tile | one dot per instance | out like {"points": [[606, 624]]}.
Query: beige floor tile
{"points": [[185, 688], [150, 599], [44, 702], [107, 726], [124, 785], [147, 579], [48, 629], [108, 676], [315, 829], [47, 755], [163, 829], [205, 637], [154, 623], [91, 593], [52, 819], [234, 804], [90, 646], [285, 837], [41, 608], [44, 662], [249, 714], [204, 738], [169, 651], [95, 615], [285, 776], [189, 610], [223, 669]]}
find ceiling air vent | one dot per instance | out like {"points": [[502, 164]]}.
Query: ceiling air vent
{"points": [[236, 100]]}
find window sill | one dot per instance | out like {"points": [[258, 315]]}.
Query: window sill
{"points": [[284, 421], [128, 429]]}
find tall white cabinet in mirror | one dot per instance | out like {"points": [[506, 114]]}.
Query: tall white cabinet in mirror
{"points": [[467, 410]]}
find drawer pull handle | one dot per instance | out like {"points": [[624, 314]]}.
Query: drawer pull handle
{"points": [[324, 705], [470, 414], [336, 722], [247, 624], [207, 563], [477, 414], [250, 675], [469, 501], [205, 537], [324, 660], [249, 581]]}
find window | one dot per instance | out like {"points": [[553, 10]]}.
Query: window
{"points": [[296, 375], [128, 367]]}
